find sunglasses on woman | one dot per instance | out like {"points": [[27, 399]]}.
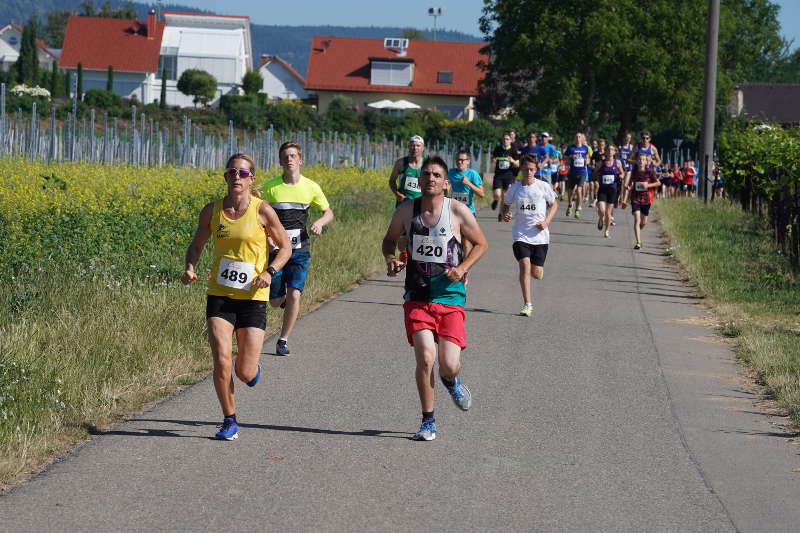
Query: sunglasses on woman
{"points": [[242, 172]]}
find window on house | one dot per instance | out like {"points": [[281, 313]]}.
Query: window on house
{"points": [[444, 76], [170, 64], [391, 73]]}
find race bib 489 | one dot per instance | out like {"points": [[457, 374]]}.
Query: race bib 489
{"points": [[235, 274]]}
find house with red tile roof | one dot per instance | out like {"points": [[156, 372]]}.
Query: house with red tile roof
{"points": [[281, 80], [435, 75], [10, 43], [141, 51]]}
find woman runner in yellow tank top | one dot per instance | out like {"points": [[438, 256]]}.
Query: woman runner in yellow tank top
{"points": [[238, 288]]}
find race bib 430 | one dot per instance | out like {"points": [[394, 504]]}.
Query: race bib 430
{"points": [[235, 274], [412, 184]]}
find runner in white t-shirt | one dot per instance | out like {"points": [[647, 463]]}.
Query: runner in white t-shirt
{"points": [[534, 205]]}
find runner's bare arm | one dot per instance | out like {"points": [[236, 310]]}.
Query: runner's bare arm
{"points": [[201, 235], [477, 189], [322, 221], [552, 209], [397, 230], [393, 180], [278, 239], [470, 231]]}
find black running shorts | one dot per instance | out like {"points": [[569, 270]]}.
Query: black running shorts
{"points": [[644, 208], [536, 252], [608, 195], [502, 181], [240, 313]]}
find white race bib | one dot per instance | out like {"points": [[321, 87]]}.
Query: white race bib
{"points": [[294, 237], [504, 165], [412, 184], [641, 186], [235, 274], [608, 179], [462, 197], [553, 167], [580, 162], [429, 249]]}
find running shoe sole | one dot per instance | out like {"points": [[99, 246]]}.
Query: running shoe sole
{"points": [[221, 437], [424, 436]]}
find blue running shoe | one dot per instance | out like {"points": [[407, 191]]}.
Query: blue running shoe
{"points": [[427, 431], [252, 382], [282, 347], [229, 430], [460, 394]]}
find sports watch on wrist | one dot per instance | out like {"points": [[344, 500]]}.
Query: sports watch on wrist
{"points": [[271, 271]]}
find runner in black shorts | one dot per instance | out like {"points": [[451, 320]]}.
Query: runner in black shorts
{"points": [[505, 160], [643, 180], [238, 289]]}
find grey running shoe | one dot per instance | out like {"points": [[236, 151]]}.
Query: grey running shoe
{"points": [[460, 394], [282, 347], [427, 431]]}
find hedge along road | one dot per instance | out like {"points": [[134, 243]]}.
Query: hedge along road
{"points": [[611, 409]]}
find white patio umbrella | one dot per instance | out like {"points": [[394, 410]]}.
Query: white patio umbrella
{"points": [[381, 104], [404, 104]]}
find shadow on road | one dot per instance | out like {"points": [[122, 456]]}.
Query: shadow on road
{"points": [[151, 432]]}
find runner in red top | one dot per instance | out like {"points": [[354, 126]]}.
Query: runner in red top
{"points": [[644, 180]]}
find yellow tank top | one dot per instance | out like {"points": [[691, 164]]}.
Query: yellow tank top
{"points": [[240, 253]]}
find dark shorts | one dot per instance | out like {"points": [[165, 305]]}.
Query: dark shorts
{"points": [[240, 313], [536, 252], [503, 181], [644, 208], [293, 274], [575, 180], [606, 194]]}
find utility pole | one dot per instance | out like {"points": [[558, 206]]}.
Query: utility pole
{"points": [[709, 100]]}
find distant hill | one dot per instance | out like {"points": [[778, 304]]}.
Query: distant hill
{"points": [[291, 43]]}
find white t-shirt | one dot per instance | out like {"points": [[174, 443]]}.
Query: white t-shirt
{"points": [[529, 205]]}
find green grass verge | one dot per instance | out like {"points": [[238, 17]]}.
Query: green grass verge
{"points": [[92, 335], [749, 285]]}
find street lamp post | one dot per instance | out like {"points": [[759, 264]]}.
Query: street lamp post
{"points": [[707, 153], [435, 12]]}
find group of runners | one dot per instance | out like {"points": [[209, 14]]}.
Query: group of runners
{"points": [[261, 245]]}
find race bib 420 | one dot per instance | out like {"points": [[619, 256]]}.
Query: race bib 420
{"points": [[429, 249], [235, 274]]}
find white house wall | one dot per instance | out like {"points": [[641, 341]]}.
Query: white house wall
{"points": [[279, 83], [126, 84]]}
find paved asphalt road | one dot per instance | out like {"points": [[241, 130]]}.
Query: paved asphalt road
{"points": [[612, 409]]}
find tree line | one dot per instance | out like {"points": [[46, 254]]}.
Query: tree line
{"points": [[624, 64]]}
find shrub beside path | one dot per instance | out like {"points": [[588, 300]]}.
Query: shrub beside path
{"points": [[616, 407]]}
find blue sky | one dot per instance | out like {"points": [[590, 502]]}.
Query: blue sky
{"points": [[461, 15]]}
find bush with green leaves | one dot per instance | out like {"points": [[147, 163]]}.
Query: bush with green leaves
{"points": [[198, 84], [290, 115], [102, 99], [252, 82]]}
